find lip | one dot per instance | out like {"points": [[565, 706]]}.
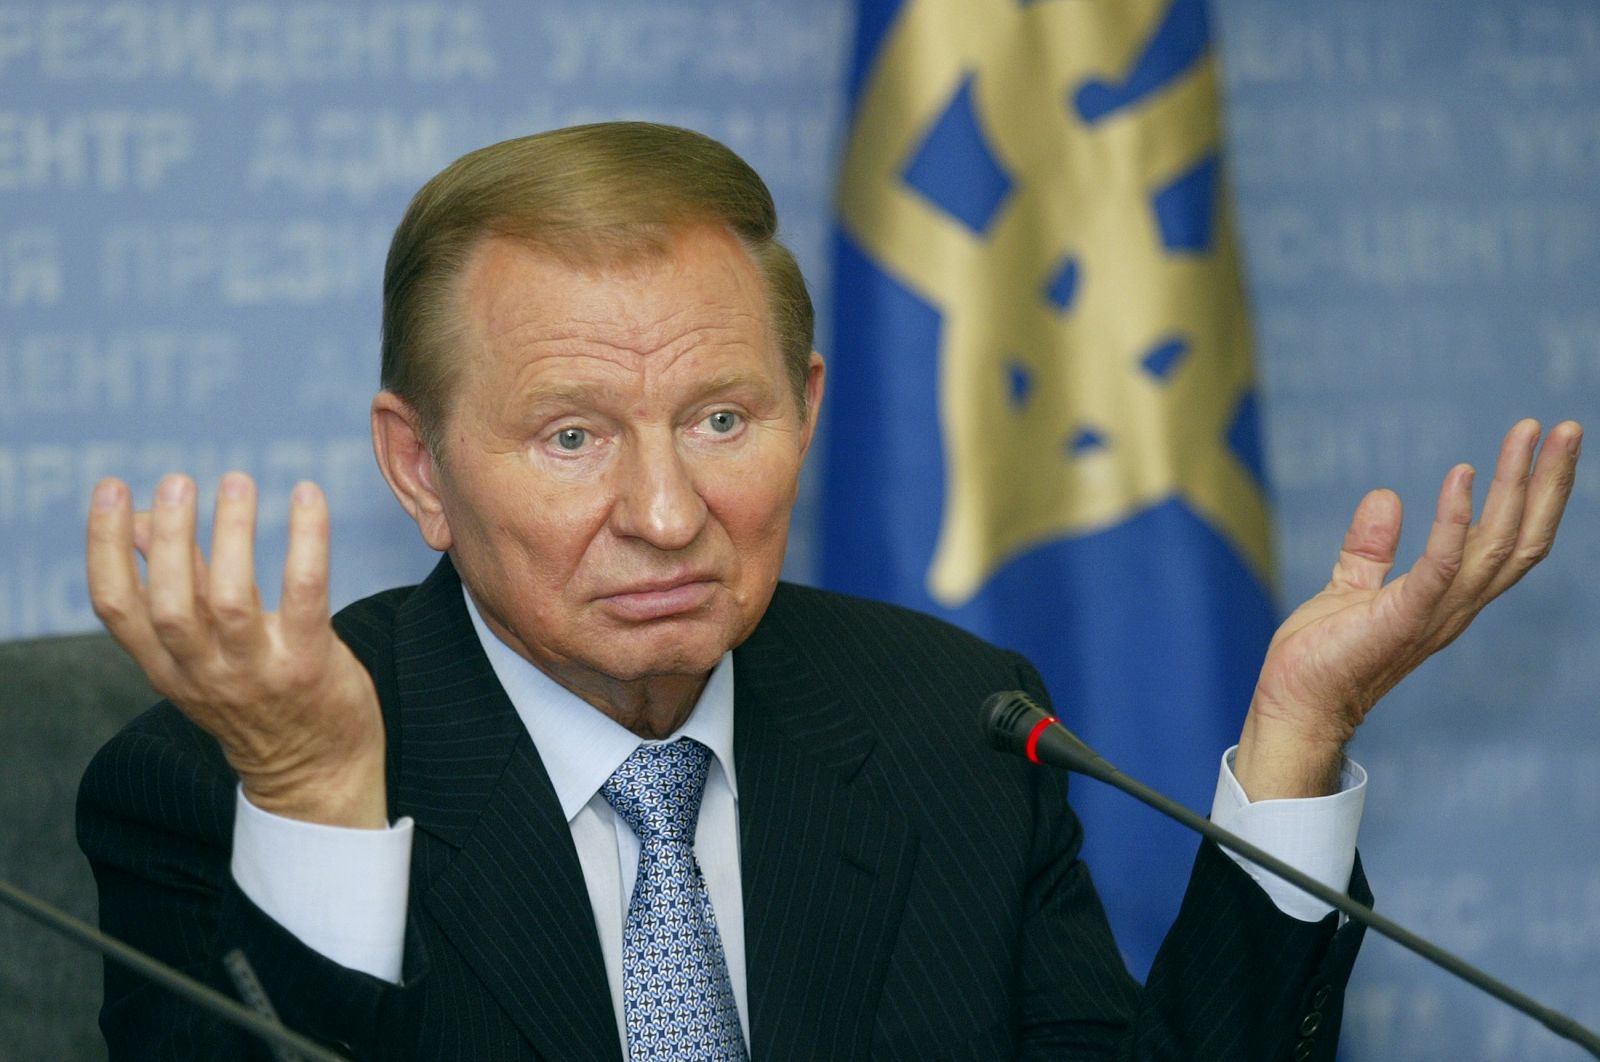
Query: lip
{"points": [[659, 600]]}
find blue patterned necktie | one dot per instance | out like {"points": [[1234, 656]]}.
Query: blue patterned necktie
{"points": [[676, 995]]}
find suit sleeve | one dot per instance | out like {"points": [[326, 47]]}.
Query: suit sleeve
{"points": [[1235, 977], [155, 818]]}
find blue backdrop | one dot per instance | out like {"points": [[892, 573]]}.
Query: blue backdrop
{"points": [[194, 201], [1044, 414]]}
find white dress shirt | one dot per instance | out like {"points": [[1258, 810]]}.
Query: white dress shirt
{"points": [[349, 903], [342, 892]]}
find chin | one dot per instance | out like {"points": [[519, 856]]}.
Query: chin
{"points": [[663, 652]]}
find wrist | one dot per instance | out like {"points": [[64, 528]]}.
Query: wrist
{"points": [[1278, 761], [350, 794]]}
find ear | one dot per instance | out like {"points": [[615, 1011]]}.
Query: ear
{"points": [[816, 375], [409, 467]]}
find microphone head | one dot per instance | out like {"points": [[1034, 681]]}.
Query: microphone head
{"points": [[1007, 718]]}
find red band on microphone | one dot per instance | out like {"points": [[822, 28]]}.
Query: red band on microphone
{"points": [[1032, 748]]}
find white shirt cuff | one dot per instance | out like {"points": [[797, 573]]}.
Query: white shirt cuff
{"points": [[342, 892], [1314, 834]]}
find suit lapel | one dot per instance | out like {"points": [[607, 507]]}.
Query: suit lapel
{"points": [[825, 867], [494, 865]]}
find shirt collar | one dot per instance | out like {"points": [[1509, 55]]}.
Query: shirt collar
{"points": [[580, 745]]}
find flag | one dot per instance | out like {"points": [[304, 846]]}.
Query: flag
{"points": [[1042, 414]]}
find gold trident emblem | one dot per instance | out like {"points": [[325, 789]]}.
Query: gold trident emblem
{"points": [[1083, 191]]}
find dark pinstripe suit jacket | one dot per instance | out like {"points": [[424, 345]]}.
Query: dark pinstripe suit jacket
{"points": [[908, 893]]}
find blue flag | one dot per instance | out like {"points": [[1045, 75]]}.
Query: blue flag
{"points": [[1042, 422]]}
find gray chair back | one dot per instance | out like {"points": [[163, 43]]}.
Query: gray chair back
{"points": [[61, 698]]}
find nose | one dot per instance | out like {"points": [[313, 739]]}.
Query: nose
{"points": [[658, 500]]}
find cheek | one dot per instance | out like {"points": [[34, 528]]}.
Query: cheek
{"points": [[564, 532], [527, 530], [556, 537], [756, 515]]}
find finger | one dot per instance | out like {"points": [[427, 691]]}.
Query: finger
{"points": [[1431, 577], [142, 526], [114, 588], [1492, 542], [1548, 491], [171, 564], [303, 609], [231, 596], [1369, 545], [1502, 509]]}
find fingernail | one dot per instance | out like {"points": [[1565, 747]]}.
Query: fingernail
{"points": [[234, 485], [107, 495], [1576, 445], [173, 490], [305, 493]]}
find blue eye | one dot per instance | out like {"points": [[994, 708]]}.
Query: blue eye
{"points": [[723, 421], [571, 438]]}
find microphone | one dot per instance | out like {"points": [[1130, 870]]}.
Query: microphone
{"points": [[287, 1045], [1013, 723]]}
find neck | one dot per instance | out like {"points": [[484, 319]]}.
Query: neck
{"points": [[653, 707]]}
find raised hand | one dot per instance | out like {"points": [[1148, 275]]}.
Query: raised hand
{"points": [[295, 712], [1338, 653]]}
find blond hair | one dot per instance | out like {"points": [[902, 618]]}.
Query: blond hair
{"points": [[588, 195]]}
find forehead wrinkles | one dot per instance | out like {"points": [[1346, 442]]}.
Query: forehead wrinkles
{"points": [[622, 367], [647, 348], [642, 316]]}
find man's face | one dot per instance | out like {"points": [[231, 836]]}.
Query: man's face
{"points": [[621, 457]]}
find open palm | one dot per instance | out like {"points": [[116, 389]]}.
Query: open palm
{"points": [[1346, 647]]}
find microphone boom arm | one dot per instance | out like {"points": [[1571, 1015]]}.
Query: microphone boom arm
{"points": [[286, 1041], [1014, 723]]}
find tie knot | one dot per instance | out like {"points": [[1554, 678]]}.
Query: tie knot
{"points": [[657, 790]]}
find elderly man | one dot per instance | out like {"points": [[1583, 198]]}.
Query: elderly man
{"points": [[601, 787]]}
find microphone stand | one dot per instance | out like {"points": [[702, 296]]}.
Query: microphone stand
{"points": [[1014, 723], [286, 1043]]}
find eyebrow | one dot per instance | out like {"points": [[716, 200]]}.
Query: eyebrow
{"points": [[733, 380], [561, 394], [589, 395]]}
